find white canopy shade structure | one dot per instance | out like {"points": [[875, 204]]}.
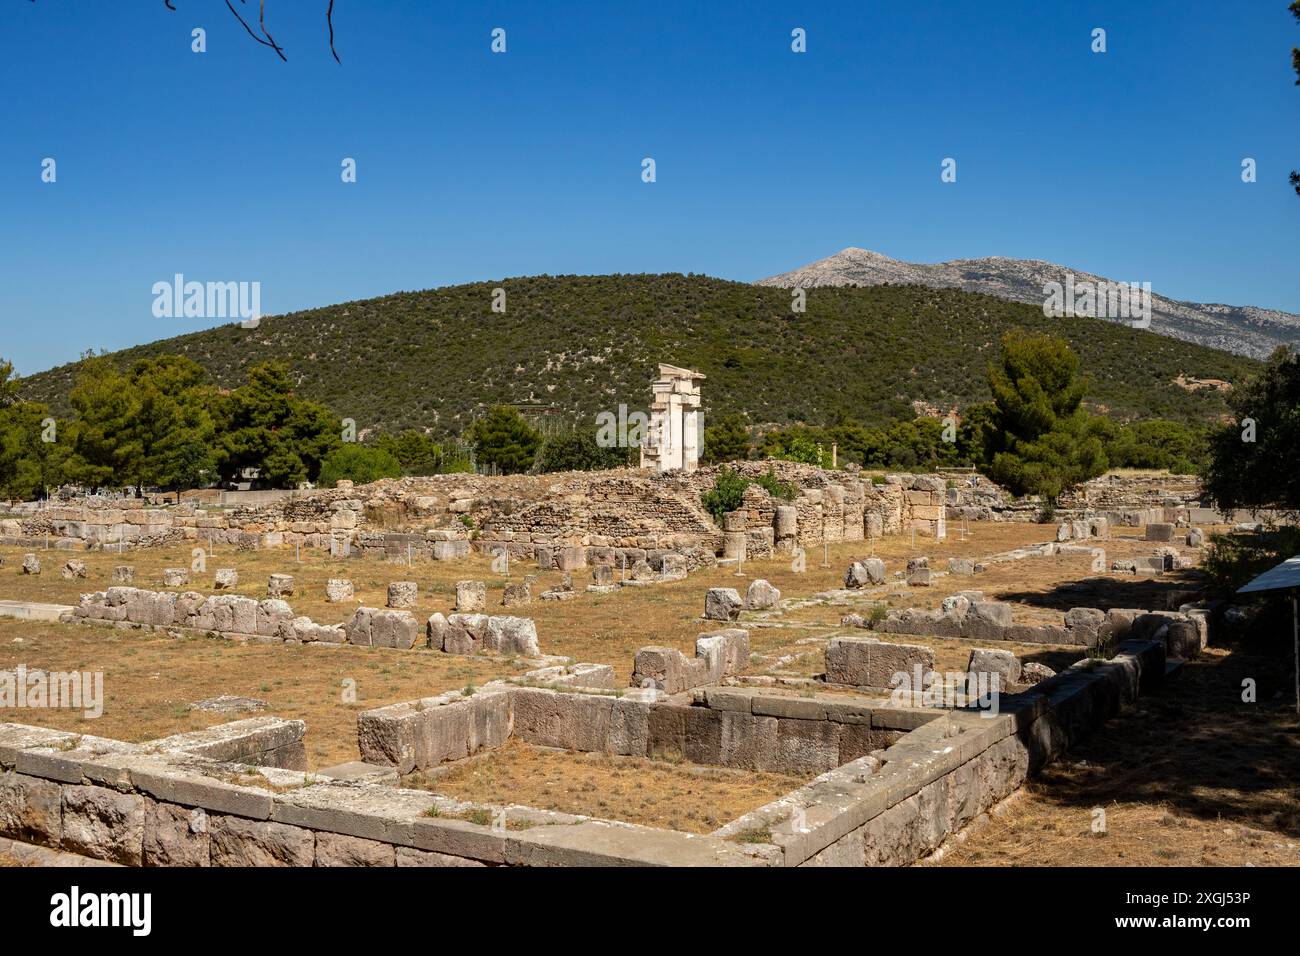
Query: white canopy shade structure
{"points": [[1284, 577]]}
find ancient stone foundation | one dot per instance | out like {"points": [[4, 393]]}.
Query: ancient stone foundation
{"points": [[893, 783]]}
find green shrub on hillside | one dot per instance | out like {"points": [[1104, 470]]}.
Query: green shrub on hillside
{"points": [[358, 463]]}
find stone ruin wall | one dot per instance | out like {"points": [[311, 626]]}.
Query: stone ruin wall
{"points": [[235, 796], [631, 511]]}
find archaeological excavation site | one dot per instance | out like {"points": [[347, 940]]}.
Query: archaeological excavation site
{"points": [[590, 669]]}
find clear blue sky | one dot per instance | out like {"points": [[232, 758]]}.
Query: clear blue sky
{"points": [[225, 165]]}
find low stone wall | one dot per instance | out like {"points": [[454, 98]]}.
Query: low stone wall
{"points": [[967, 615], [241, 618], [140, 805], [895, 809], [258, 741], [900, 780], [744, 728]]}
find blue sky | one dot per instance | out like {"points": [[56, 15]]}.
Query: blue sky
{"points": [[225, 165]]}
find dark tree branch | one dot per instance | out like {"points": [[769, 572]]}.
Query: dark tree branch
{"points": [[261, 21], [266, 39], [329, 18]]}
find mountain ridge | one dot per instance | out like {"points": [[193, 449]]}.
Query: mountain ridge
{"points": [[1242, 330]]}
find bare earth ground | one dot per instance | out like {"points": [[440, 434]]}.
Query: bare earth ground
{"points": [[1192, 776], [1173, 774], [657, 793]]}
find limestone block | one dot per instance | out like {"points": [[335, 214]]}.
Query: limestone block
{"points": [[572, 721], [726, 651], [519, 594], [337, 849], [226, 579], [176, 577], [239, 842], [1033, 673], [1195, 538], [987, 620], [393, 628], [104, 823], [511, 635], [30, 809], [1084, 624], [338, 589], [761, 595], [175, 836], [669, 670], [918, 572], [602, 575], [722, 604], [806, 746], [73, 569], [403, 594], [956, 605], [868, 662], [1001, 663], [471, 596], [961, 566], [1159, 531], [787, 521], [673, 567], [571, 559], [279, 585], [124, 573], [271, 615]]}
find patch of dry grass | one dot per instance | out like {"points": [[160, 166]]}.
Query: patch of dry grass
{"points": [[656, 793], [1193, 776], [150, 680]]}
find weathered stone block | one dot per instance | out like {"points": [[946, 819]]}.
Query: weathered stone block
{"points": [[104, 823], [239, 842], [175, 836], [1003, 664], [403, 594], [761, 596], [1159, 531], [30, 809], [279, 585], [520, 593], [336, 849], [722, 604], [868, 662], [471, 596], [73, 569]]}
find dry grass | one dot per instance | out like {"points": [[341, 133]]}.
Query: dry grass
{"points": [[1192, 777], [150, 680], [655, 793], [604, 628]]}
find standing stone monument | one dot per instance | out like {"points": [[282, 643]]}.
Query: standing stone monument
{"points": [[676, 426]]}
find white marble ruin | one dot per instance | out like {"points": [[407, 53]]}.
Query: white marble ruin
{"points": [[676, 424]]}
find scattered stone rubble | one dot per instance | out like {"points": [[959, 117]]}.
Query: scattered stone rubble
{"points": [[242, 618]]}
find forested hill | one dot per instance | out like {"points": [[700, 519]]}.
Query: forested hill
{"points": [[583, 344]]}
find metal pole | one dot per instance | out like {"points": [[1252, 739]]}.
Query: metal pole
{"points": [[1295, 630]]}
